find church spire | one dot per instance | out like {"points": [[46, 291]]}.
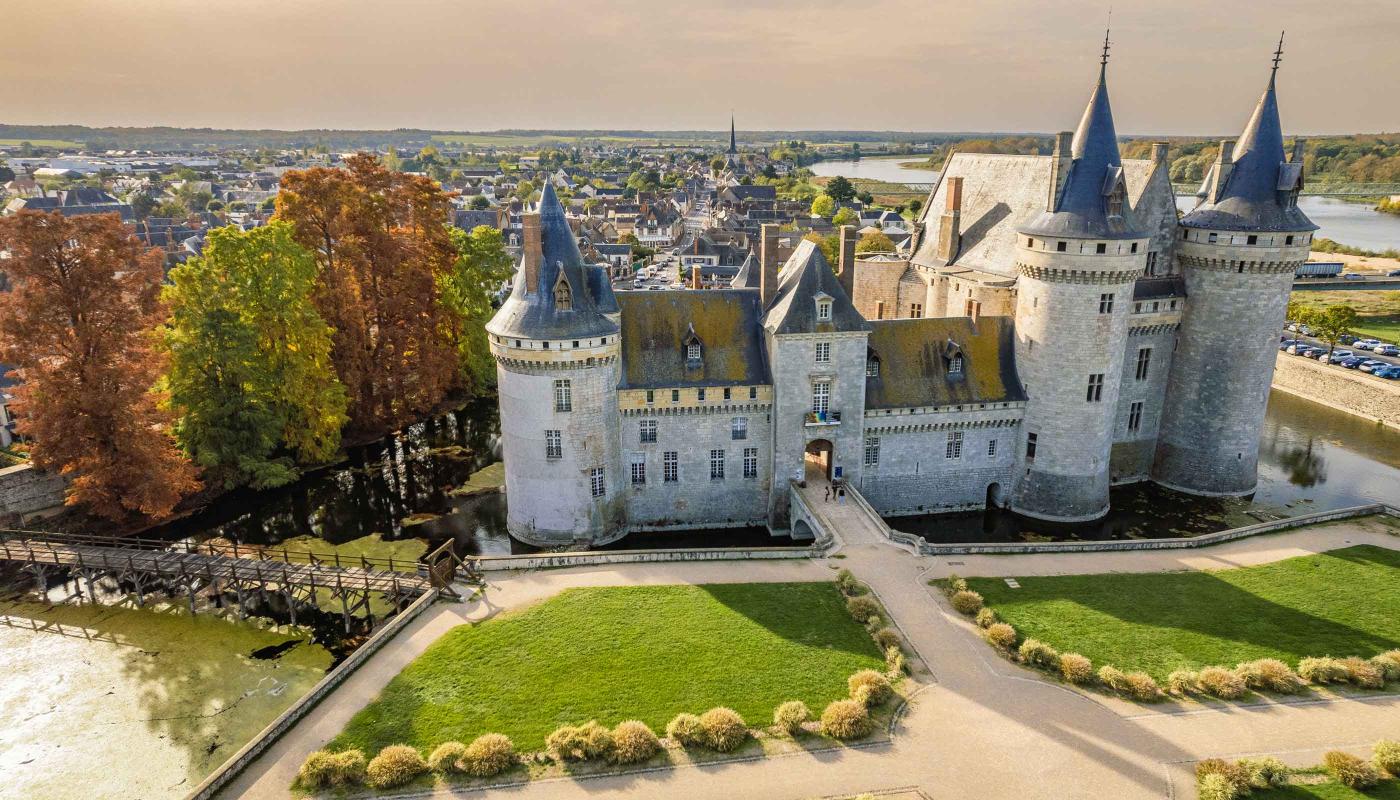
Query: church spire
{"points": [[733, 139]]}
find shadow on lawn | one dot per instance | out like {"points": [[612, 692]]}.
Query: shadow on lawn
{"points": [[802, 620]]}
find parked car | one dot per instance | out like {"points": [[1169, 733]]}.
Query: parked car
{"points": [[1305, 330], [1391, 371], [1296, 349], [1386, 350], [1338, 356], [1395, 273], [1370, 364], [1353, 362], [1346, 338], [1352, 276], [1284, 344], [1365, 344], [1292, 326]]}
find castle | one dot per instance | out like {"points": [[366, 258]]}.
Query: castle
{"points": [[1056, 330]]}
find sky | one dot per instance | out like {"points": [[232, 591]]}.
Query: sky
{"points": [[1178, 68]]}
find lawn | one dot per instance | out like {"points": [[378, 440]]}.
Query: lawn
{"points": [[1378, 312], [620, 653], [1338, 603], [1331, 790]]}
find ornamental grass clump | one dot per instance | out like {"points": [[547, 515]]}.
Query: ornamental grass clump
{"points": [[1389, 664], [445, 756], [848, 585], [580, 742], [633, 742], [1113, 678], [1222, 683], [885, 638], [863, 609], [324, 770], [1386, 757], [1183, 682], [986, 618], [846, 719], [1264, 773], [1350, 771], [686, 730], [1363, 673], [1142, 687], [724, 729], [1216, 787], [1271, 675], [487, 755], [876, 686], [790, 717], [1038, 654], [966, 602], [894, 660], [1323, 670], [1002, 635], [395, 765], [954, 584], [1218, 778], [1076, 668]]}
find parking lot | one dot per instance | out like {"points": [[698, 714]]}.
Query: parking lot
{"points": [[1313, 341]]}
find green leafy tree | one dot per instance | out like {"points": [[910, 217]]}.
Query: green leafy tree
{"points": [[716, 164], [875, 242], [1331, 323], [830, 247], [866, 198], [840, 190], [480, 203], [481, 267], [823, 206], [142, 204], [251, 378], [845, 217], [915, 205]]}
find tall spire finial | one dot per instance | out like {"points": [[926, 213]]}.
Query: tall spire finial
{"points": [[1278, 56], [1103, 60]]}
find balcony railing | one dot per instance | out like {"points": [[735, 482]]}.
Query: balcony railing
{"points": [[822, 418]]}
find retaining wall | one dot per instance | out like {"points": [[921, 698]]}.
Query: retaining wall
{"points": [[1346, 390], [24, 490], [583, 559], [250, 751]]}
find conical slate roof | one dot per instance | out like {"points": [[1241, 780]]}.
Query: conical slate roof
{"points": [[1256, 195], [1095, 171], [803, 278], [749, 275], [533, 315]]}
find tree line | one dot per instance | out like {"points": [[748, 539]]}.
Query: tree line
{"points": [[356, 311]]}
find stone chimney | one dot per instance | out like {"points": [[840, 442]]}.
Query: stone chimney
{"points": [[1060, 160], [1224, 163], [530, 254], [768, 261], [846, 273], [950, 224], [696, 281], [1300, 146], [1159, 153]]}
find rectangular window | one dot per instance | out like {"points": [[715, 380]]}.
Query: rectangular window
{"points": [[726, 394], [1030, 446], [1151, 262], [700, 395], [750, 462], [692, 352], [1061, 247], [955, 365], [563, 396], [639, 469], [1106, 304], [675, 395], [1144, 362], [823, 352], [1252, 239], [651, 396], [916, 310], [716, 465], [821, 397], [823, 311], [1095, 393], [872, 451], [648, 431], [1101, 248], [879, 309], [596, 483], [872, 368], [954, 448], [670, 472], [553, 445], [1135, 417], [739, 428], [992, 449], [753, 392]]}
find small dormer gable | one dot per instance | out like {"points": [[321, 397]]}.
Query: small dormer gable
{"points": [[693, 348], [954, 361], [824, 303]]}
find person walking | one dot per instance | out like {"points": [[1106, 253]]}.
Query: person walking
{"points": [[827, 497]]}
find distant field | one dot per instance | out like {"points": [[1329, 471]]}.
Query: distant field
{"points": [[536, 140], [884, 192], [1379, 312], [39, 143]]}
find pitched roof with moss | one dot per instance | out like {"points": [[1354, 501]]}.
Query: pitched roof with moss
{"points": [[657, 326], [915, 355]]}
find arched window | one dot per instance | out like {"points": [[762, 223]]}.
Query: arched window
{"points": [[872, 364], [1116, 199], [563, 295]]}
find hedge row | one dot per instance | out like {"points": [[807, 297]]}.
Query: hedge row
{"points": [[1217, 779], [1261, 675]]}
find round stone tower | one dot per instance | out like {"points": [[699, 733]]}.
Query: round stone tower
{"points": [[555, 341], [1077, 263], [1238, 252]]}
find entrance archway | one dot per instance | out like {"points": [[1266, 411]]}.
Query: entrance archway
{"points": [[817, 459], [994, 495]]}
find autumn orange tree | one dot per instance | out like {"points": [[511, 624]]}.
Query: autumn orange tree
{"points": [[382, 243], [79, 325]]}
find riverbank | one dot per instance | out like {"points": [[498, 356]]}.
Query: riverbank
{"points": [[1377, 264], [1354, 393]]}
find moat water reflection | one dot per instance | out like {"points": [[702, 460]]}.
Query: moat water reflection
{"points": [[1311, 458]]}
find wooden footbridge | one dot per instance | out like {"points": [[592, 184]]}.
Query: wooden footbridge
{"points": [[328, 581]]}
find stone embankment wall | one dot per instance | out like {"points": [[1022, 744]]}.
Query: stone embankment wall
{"points": [[24, 490], [1343, 389]]}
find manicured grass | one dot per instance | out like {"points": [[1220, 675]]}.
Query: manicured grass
{"points": [[1331, 790], [1378, 313], [619, 653], [1338, 603]]}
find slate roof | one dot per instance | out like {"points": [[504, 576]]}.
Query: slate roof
{"points": [[655, 326], [534, 315], [749, 276], [1256, 192], [914, 357], [805, 275]]}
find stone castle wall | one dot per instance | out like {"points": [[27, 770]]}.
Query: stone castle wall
{"points": [[1343, 389], [24, 490], [1131, 457], [914, 473]]}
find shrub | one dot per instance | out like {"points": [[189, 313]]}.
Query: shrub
{"points": [[1265, 773], [488, 754], [633, 742], [1113, 678], [1350, 771], [1363, 673], [986, 618], [1184, 682], [395, 765], [1386, 756], [1142, 687], [1226, 778], [966, 602], [1002, 635], [849, 586], [862, 608], [885, 638], [1269, 674], [724, 729], [1216, 787], [580, 742], [790, 715], [1389, 664], [894, 660], [1076, 668], [846, 719], [1222, 683], [685, 730], [445, 757], [954, 584], [1323, 670], [1039, 654], [877, 686], [323, 769]]}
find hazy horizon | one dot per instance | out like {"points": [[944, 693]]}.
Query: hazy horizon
{"points": [[1194, 68]]}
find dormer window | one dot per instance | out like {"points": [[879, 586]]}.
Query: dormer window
{"points": [[692, 352], [953, 359], [693, 348], [872, 364], [955, 365], [563, 295], [1115, 201], [823, 311]]}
